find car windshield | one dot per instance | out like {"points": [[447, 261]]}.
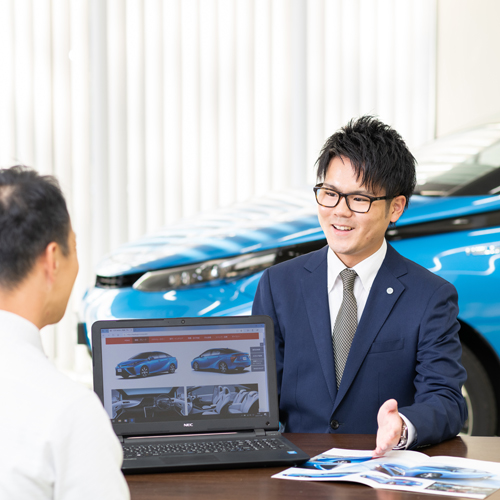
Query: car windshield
{"points": [[460, 165], [144, 355]]}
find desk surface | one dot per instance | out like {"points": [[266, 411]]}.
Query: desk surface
{"points": [[253, 484]]}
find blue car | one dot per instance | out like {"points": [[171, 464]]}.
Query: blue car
{"points": [[328, 463], [394, 481], [211, 265], [429, 472], [334, 473], [221, 359], [146, 363]]}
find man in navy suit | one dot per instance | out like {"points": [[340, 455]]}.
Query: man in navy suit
{"points": [[403, 376]]}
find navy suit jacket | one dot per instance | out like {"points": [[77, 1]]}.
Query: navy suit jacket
{"points": [[406, 347]]}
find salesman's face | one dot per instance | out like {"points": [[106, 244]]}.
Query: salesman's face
{"points": [[354, 236]]}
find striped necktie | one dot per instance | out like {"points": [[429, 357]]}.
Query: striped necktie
{"points": [[345, 324]]}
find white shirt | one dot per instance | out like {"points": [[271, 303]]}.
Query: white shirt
{"points": [[57, 440], [366, 272]]}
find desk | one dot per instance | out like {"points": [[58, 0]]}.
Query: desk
{"points": [[256, 484]]}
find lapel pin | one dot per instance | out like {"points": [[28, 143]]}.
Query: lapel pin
{"points": [[390, 290]]}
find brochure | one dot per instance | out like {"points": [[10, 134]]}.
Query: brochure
{"points": [[402, 470]]}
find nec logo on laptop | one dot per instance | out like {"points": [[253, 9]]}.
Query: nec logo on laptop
{"points": [[188, 425]]}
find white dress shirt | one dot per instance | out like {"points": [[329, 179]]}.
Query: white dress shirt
{"points": [[366, 272], [57, 440]]}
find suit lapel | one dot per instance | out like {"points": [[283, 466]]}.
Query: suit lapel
{"points": [[315, 293], [384, 294]]}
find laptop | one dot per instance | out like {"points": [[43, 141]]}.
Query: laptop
{"points": [[191, 393]]}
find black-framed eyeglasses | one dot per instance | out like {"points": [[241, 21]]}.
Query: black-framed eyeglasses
{"points": [[359, 203]]}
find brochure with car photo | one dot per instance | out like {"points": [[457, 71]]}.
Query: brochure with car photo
{"points": [[402, 470]]}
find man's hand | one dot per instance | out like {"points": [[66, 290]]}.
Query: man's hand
{"points": [[390, 425]]}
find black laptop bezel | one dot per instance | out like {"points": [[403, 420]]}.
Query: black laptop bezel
{"points": [[264, 422]]}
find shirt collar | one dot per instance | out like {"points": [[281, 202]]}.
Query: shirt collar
{"points": [[366, 270], [15, 328]]}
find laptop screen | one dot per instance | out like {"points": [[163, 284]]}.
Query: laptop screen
{"points": [[186, 375]]}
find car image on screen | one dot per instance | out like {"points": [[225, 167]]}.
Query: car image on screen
{"points": [[221, 359], [210, 265], [147, 363]]}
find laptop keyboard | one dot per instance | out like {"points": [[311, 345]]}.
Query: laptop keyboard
{"points": [[199, 447]]}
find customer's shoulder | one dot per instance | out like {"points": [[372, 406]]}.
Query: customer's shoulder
{"points": [[55, 385]]}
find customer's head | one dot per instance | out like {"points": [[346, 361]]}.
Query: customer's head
{"points": [[378, 154], [33, 214]]}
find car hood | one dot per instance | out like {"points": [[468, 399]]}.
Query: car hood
{"points": [[130, 363], [277, 220]]}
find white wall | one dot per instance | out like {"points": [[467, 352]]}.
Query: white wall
{"points": [[468, 69]]}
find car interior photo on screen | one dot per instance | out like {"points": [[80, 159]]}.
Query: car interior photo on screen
{"points": [[211, 265], [163, 404]]}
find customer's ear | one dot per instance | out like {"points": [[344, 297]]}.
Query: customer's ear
{"points": [[49, 260]]}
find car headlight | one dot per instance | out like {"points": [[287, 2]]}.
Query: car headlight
{"points": [[211, 270]]}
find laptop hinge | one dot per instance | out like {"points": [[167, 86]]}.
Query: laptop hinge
{"points": [[122, 440], [260, 432]]}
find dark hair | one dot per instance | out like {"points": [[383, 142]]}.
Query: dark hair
{"points": [[33, 213], [377, 153]]}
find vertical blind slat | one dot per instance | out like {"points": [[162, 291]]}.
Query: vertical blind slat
{"points": [[136, 150], [209, 136], [315, 78], [244, 101], [42, 74], [172, 114], [117, 119], [280, 94], [153, 55], [262, 99], [7, 86], [23, 61], [99, 167], [190, 180], [226, 101]]}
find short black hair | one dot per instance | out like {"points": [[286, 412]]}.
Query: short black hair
{"points": [[33, 213], [378, 154]]}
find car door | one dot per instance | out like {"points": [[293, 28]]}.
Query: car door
{"points": [[215, 357], [153, 362], [206, 359], [162, 361]]}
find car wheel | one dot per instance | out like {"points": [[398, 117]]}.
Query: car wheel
{"points": [[429, 475], [171, 368], [144, 371], [223, 367], [196, 367], [480, 398]]}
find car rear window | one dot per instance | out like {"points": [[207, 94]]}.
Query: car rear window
{"points": [[465, 164]]}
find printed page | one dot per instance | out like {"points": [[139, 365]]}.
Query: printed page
{"points": [[402, 470]]}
